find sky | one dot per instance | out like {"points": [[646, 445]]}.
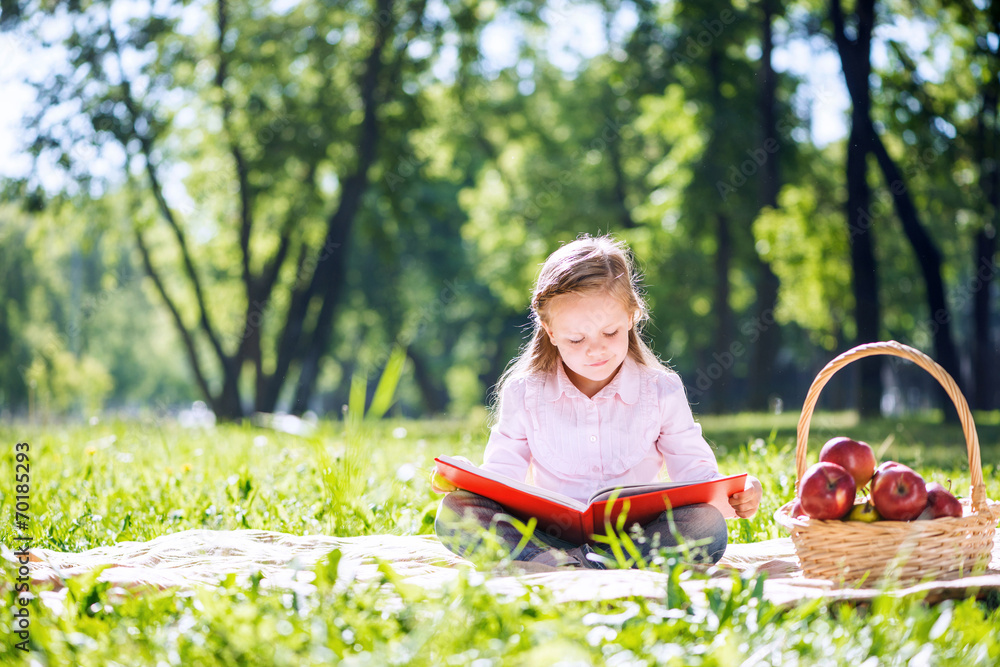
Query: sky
{"points": [[17, 96], [575, 33]]}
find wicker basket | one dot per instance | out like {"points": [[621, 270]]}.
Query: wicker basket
{"points": [[904, 551]]}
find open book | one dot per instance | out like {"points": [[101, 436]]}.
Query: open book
{"points": [[569, 519]]}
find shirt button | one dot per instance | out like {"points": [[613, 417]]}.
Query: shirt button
{"points": [[593, 438], [596, 469]]}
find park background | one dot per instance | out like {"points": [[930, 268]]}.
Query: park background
{"points": [[250, 203], [216, 212]]}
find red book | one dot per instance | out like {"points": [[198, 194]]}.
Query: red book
{"points": [[574, 521]]}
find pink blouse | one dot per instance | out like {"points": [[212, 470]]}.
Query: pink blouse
{"points": [[576, 445]]}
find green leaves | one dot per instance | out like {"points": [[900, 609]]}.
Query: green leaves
{"points": [[806, 243], [326, 570], [385, 389], [387, 383]]}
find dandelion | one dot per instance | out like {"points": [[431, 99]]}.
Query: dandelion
{"points": [[186, 467], [90, 450]]}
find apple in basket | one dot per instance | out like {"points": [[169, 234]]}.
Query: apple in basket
{"points": [[827, 491], [853, 456], [885, 466], [898, 493], [864, 512], [940, 502]]}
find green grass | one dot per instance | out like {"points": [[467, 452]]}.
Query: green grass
{"points": [[93, 485]]}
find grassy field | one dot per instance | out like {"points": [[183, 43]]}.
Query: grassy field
{"points": [[95, 484]]}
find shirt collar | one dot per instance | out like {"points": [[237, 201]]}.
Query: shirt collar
{"points": [[625, 384]]}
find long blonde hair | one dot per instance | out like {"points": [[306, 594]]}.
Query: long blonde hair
{"points": [[589, 265]]}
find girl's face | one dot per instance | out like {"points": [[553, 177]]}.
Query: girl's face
{"points": [[591, 334]]}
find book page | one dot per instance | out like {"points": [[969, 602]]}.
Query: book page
{"points": [[529, 489], [713, 491], [627, 490]]}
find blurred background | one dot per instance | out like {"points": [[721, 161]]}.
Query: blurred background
{"points": [[248, 203]]}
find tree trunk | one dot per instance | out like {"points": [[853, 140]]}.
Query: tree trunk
{"points": [[434, 394], [762, 372], [723, 355], [929, 258], [765, 352], [984, 268], [855, 57], [228, 405], [721, 366], [328, 277], [867, 313], [330, 274], [983, 349]]}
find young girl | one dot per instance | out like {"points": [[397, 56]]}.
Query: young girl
{"points": [[588, 405]]}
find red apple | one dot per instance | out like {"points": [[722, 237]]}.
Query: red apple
{"points": [[827, 491], [941, 502], [853, 456], [885, 465], [898, 493]]}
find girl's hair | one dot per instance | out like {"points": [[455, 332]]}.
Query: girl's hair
{"points": [[588, 265]]}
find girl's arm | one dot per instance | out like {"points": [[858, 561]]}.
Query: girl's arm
{"points": [[686, 454], [507, 451]]}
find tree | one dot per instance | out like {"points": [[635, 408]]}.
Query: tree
{"points": [[713, 62], [761, 374], [985, 394], [278, 123], [76, 331], [855, 55], [973, 76]]}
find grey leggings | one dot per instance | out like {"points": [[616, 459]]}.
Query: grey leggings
{"points": [[464, 517]]}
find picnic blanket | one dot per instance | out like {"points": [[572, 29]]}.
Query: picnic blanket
{"points": [[193, 558]]}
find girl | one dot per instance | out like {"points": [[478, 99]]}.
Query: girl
{"points": [[588, 405]]}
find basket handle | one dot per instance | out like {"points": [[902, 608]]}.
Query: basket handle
{"points": [[893, 348]]}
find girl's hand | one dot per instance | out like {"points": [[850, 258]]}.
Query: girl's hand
{"points": [[746, 501], [439, 484]]}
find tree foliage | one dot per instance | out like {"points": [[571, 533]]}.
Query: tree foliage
{"points": [[295, 189]]}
